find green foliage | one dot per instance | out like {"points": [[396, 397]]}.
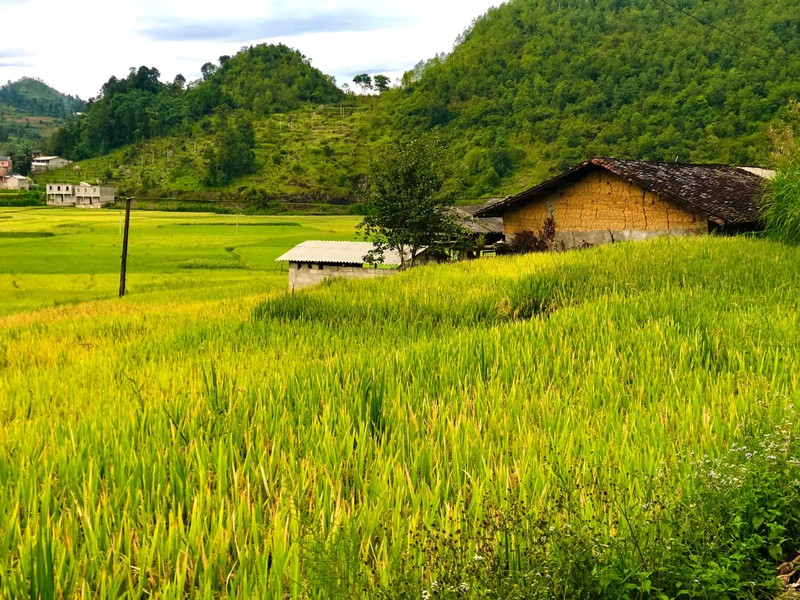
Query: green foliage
{"points": [[781, 210], [551, 83], [364, 81], [231, 152], [323, 140], [23, 198], [408, 207], [381, 83], [262, 79]]}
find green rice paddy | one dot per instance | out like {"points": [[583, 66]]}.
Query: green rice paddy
{"points": [[530, 426]]}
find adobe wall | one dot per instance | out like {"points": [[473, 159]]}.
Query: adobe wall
{"points": [[600, 208], [303, 275]]}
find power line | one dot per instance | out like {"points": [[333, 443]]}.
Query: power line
{"points": [[714, 27]]}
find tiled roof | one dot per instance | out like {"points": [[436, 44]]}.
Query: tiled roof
{"points": [[475, 225], [722, 194], [316, 251]]}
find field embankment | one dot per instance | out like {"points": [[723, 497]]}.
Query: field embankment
{"points": [[617, 422]]}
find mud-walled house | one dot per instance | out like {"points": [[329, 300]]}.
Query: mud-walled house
{"points": [[606, 200]]}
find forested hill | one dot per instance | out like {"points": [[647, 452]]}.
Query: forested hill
{"points": [[261, 80], [35, 98], [534, 86], [537, 85]]}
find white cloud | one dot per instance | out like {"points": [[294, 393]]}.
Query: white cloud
{"points": [[77, 46]]}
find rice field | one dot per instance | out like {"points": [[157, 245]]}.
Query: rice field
{"points": [[516, 427]]}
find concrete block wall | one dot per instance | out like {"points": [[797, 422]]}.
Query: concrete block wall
{"points": [[303, 275]]}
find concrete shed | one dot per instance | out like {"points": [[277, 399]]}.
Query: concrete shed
{"points": [[606, 200], [312, 261]]}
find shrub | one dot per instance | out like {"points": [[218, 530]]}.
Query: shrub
{"points": [[527, 241]]}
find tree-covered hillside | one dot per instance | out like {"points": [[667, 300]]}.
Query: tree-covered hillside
{"points": [[537, 85], [35, 98], [533, 87], [262, 80]]}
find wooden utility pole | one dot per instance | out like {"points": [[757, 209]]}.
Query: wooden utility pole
{"points": [[124, 265]]}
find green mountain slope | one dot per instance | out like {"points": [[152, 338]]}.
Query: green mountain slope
{"points": [[262, 80], [537, 85], [310, 156]]}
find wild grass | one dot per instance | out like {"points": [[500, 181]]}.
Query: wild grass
{"points": [[538, 426], [781, 211]]}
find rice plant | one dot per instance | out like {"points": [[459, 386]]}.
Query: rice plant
{"points": [[528, 427]]}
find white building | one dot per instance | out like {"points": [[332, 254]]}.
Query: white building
{"points": [[312, 261], [41, 164], [83, 195], [16, 182]]}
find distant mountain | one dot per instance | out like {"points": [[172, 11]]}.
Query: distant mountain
{"points": [[538, 85], [34, 98]]}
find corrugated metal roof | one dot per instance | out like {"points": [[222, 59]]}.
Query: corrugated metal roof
{"points": [[760, 171], [352, 253]]}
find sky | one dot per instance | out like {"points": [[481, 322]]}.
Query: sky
{"points": [[77, 46]]}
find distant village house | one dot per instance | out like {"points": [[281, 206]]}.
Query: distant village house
{"points": [[42, 164], [83, 195], [606, 200], [10, 180]]}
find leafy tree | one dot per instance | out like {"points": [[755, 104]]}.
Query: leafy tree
{"points": [[381, 83], [781, 207], [364, 81], [409, 205], [208, 70]]}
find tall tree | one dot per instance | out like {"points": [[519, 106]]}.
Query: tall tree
{"points": [[409, 205], [364, 81], [381, 83]]}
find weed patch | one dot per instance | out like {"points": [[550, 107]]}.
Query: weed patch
{"points": [[26, 234]]}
